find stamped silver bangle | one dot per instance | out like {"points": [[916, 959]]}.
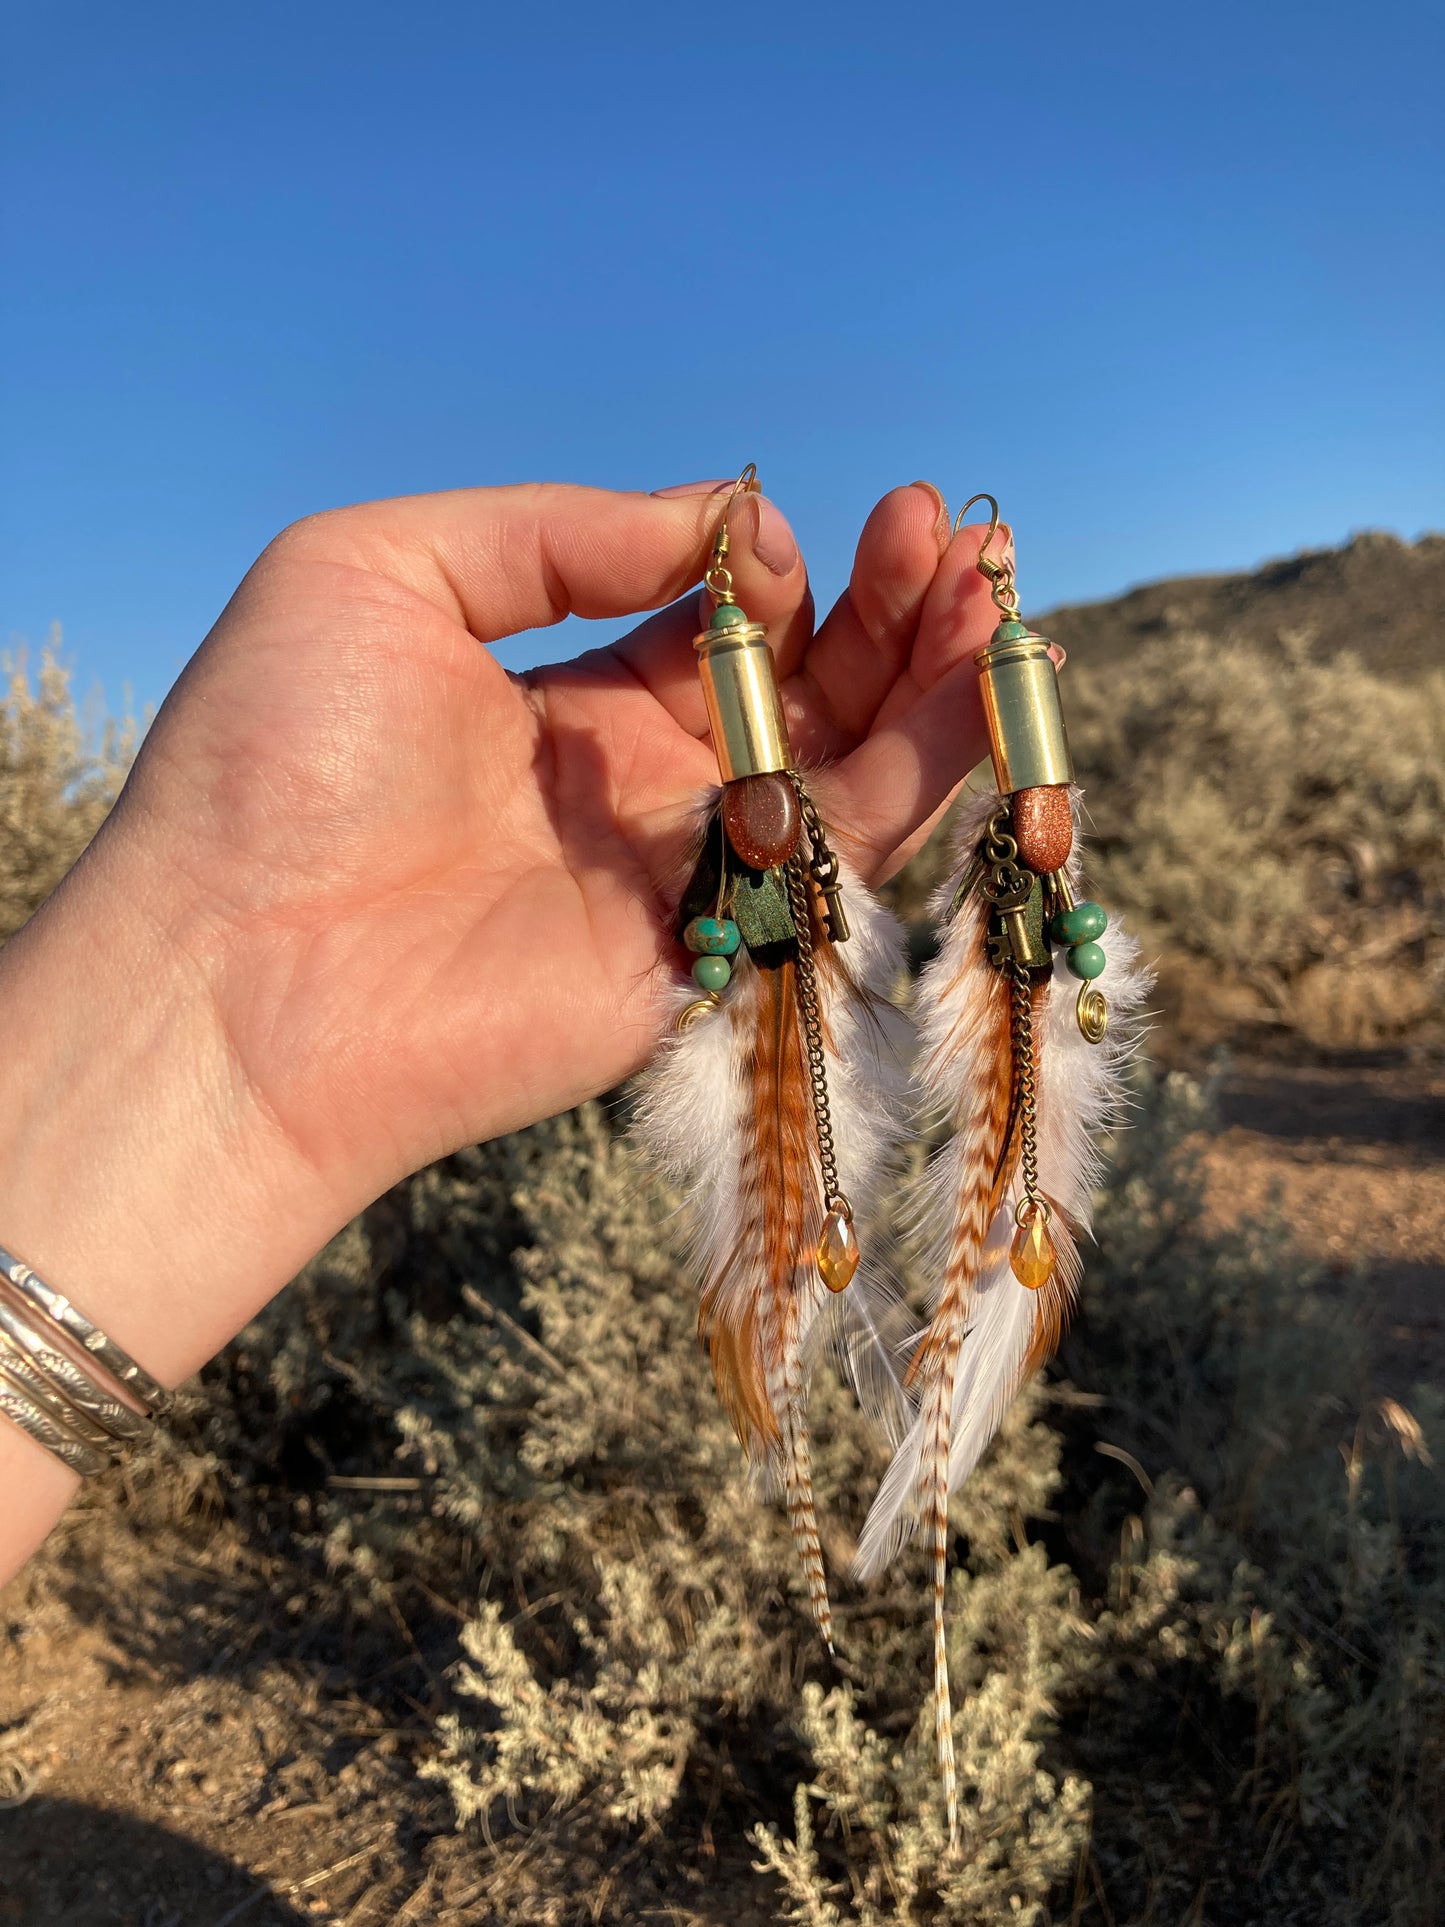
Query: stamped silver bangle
{"points": [[88, 1335], [21, 1410], [28, 1378], [77, 1387]]}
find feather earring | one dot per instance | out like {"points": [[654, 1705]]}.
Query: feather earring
{"points": [[778, 1100], [1021, 1053]]}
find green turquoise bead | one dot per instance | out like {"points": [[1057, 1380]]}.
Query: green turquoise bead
{"points": [[712, 936], [1082, 924], [711, 973], [727, 615], [1086, 960]]}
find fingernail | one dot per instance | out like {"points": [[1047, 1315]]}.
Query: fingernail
{"points": [[1058, 655], [692, 488], [773, 542], [942, 525]]}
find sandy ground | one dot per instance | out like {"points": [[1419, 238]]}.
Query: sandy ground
{"points": [[1355, 1159], [176, 1752]]}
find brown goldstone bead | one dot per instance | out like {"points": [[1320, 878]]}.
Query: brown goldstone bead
{"points": [[762, 819], [1043, 827]]}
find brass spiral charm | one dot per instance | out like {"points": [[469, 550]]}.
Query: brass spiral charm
{"points": [[702, 1007], [1092, 1012]]}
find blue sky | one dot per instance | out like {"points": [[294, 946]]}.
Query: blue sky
{"points": [[1166, 279]]}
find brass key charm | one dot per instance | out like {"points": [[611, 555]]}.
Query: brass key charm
{"points": [[1016, 930]]}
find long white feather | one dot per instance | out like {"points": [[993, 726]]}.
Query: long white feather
{"points": [[988, 1330], [696, 1121], [1081, 1099]]}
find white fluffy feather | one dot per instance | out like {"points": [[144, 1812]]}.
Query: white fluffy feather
{"points": [[692, 1112], [695, 1120], [1080, 1101]]}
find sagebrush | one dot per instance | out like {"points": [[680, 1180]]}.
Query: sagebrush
{"points": [[1196, 1624], [55, 789], [1271, 825], [1198, 1609]]}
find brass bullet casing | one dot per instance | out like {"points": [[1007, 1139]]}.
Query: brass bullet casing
{"points": [[749, 735], [1020, 689]]}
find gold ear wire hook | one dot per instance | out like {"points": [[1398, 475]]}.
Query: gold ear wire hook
{"points": [[998, 570], [746, 484], [986, 564]]}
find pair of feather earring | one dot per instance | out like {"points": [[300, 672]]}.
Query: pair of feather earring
{"points": [[790, 1079]]}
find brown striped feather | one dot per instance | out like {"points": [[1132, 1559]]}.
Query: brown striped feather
{"points": [[755, 1358]]}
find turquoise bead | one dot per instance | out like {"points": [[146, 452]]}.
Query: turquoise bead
{"points": [[712, 936], [711, 973], [1086, 960], [1082, 924], [727, 615]]}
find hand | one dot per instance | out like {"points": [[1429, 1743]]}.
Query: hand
{"points": [[367, 897], [430, 901]]}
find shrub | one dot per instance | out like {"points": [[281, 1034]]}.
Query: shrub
{"points": [[1196, 1623], [1271, 824], [1205, 1661], [54, 790]]}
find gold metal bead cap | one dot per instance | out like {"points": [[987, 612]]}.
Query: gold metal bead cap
{"points": [[740, 689], [1026, 735]]}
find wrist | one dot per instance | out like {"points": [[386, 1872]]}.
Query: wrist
{"points": [[138, 1173]]}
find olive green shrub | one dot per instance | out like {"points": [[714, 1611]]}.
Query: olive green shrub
{"points": [[1270, 824], [1276, 820], [55, 790]]}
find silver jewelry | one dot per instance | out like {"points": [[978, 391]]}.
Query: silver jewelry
{"points": [[82, 1391], [103, 1349], [23, 1412], [30, 1380]]}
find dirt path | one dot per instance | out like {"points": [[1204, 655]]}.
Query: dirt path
{"points": [[1355, 1158], [157, 1774]]}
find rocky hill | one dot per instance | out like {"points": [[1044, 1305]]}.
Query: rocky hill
{"points": [[1377, 596]]}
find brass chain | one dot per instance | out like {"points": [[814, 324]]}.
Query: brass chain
{"points": [[823, 858], [1000, 854], [823, 864], [1000, 848], [833, 1197], [1021, 990]]}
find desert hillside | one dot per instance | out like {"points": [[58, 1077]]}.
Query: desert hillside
{"points": [[1377, 597], [446, 1600]]}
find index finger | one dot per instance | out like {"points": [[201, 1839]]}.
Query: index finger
{"points": [[522, 557]]}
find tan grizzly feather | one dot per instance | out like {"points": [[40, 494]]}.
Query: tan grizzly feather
{"points": [[726, 1113]]}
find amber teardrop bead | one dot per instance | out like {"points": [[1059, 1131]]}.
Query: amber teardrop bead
{"points": [[1043, 826], [762, 819], [838, 1252], [1032, 1256]]}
